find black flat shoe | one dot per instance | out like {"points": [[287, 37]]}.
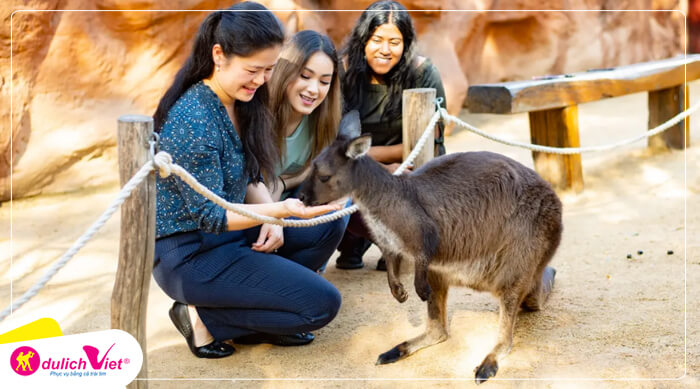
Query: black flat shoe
{"points": [[181, 318], [381, 264], [349, 262], [299, 339], [351, 256]]}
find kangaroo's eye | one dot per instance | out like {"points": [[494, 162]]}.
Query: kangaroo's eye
{"points": [[324, 178]]}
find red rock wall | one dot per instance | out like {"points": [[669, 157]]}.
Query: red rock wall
{"points": [[74, 73]]}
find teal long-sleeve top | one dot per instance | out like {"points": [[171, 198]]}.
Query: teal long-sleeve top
{"points": [[200, 137]]}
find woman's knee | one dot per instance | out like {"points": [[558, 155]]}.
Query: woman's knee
{"points": [[326, 304]]}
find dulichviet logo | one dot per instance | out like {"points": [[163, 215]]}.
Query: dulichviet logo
{"points": [[25, 361], [86, 360]]}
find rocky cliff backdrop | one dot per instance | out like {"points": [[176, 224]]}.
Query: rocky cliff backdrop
{"points": [[73, 73]]}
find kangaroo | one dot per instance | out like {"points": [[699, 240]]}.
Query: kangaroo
{"points": [[474, 219]]}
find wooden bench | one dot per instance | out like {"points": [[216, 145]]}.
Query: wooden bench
{"points": [[552, 105]]}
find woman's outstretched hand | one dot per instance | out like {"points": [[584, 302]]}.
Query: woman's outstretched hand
{"points": [[296, 208]]}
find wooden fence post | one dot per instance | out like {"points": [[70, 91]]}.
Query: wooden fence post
{"points": [[137, 236], [418, 108], [663, 105], [557, 127]]}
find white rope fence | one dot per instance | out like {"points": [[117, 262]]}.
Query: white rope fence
{"points": [[571, 150], [163, 162]]}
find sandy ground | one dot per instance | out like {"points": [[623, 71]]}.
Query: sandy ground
{"points": [[611, 321]]}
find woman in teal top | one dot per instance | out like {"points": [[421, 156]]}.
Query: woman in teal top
{"points": [[231, 277], [306, 101]]}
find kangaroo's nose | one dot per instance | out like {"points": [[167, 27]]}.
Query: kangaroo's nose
{"points": [[302, 198]]}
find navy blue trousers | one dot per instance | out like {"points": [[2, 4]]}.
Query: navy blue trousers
{"points": [[238, 291]]}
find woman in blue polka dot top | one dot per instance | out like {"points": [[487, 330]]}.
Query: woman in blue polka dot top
{"points": [[232, 279]]}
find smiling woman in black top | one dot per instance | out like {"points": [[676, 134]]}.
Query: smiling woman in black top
{"points": [[380, 62]]}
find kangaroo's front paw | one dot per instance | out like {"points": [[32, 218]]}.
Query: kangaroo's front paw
{"points": [[423, 290], [399, 292], [486, 370]]}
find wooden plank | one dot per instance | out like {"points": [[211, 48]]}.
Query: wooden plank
{"points": [[573, 89], [559, 128], [663, 105], [418, 108], [137, 236]]}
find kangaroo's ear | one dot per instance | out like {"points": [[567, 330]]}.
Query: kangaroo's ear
{"points": [[358, 146], [350, 127]]}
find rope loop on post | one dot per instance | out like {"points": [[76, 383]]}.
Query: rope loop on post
{"points": [[163, 161]]}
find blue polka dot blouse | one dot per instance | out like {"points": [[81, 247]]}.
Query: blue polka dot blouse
{"points": [[200, 137]]}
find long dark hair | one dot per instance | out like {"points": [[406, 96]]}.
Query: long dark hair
{"points": [[239, 34], [357, 76], [325, 118]]}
